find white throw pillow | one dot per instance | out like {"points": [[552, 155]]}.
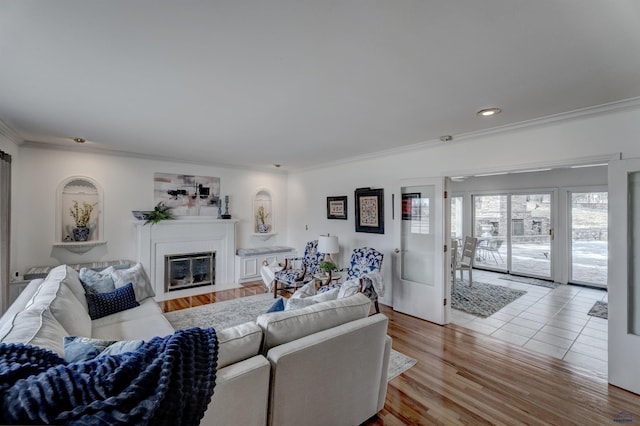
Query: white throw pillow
{"points": [[349, 288], [307, 290], [308, 301], [136, 276]]}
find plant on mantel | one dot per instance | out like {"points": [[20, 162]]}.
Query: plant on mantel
{"points": [[160, 212]]}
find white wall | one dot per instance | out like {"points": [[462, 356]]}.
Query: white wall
{"points": [[128, 185], [8, 146], [596, 136]]}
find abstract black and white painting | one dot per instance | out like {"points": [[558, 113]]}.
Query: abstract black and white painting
{"points": [[187, 195]]}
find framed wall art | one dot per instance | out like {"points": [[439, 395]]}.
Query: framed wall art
{"points": [[370, 210], [187, 195], [411, 206], [337, 207]]}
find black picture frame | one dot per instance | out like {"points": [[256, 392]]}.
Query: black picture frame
{"points": [[408, 212], [369, 210], [337, 207]]}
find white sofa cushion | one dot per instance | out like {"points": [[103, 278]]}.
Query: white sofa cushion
{"points": [[69, 277], [143, 322], [36, 327], [238, 343], [65, 307], [283, 327]]}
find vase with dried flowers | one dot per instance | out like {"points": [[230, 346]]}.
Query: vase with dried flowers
{"points": [[262, 217], [81, 215]]}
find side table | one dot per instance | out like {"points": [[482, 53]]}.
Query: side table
{"points": [[322, 279]]}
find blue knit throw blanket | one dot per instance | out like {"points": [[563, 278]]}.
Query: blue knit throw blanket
{"points": [[168, 380]]}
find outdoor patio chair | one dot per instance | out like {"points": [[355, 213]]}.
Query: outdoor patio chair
{"points": [[493, 247]]}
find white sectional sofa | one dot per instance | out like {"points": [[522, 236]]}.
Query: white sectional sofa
{"points": [[319, 365]]}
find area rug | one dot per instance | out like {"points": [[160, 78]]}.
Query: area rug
{"points": [[532, 281], [221, 315], [482, 299], [600, 310]]}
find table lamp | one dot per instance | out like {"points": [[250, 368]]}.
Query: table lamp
{"points": [[328, 244]]}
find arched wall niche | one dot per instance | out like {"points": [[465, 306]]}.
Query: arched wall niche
{"points": [[80, 189], [263, 221]]}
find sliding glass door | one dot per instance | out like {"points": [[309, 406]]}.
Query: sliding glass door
{"points": [[514, 233], [531, 234], [589, 217], [490, 217]]}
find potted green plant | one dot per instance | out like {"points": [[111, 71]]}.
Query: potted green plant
{"points": [[81, 215], [327, 266], [160, 212]]}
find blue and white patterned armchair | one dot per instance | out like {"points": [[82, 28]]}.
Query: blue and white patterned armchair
{"points": [[364, 266], [298, 271]]}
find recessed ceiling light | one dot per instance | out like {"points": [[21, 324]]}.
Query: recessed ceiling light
{"points": [[488, 112], [79, 140]]}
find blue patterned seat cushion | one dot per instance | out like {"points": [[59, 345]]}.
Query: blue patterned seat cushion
{"points": [[290, 276]]}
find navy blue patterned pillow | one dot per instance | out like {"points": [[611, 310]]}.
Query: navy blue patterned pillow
{"points": [[103, 304]]}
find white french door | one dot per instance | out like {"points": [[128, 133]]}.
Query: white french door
{"points": [[420, 287], [624, 274]]}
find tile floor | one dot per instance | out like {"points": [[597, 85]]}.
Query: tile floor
{"points": [[551, 321]]}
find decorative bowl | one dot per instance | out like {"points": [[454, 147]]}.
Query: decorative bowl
{"points": [[140, 214]]}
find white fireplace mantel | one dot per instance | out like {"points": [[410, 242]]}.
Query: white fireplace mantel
{"points": [[187, 235]]}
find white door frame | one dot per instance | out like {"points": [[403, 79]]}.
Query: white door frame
{"points": [[624, 297]]}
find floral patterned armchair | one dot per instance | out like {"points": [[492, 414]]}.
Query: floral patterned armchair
{"points": [[298, 271], [364, 266]]}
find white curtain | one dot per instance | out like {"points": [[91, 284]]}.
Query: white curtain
{"points": [[5, 228]]}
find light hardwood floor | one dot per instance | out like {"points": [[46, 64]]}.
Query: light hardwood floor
{"points": [[467, 378]]}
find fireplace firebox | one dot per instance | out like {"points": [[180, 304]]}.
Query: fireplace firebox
{"points": [[189, 270]]}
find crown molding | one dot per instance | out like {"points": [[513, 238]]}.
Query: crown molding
{"points": [[10, 134], [604, 109], [579, 114], [87, 149]]}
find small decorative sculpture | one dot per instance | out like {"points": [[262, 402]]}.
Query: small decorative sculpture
{"points": [[226, 214]]}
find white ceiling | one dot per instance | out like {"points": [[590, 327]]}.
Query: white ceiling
{"points": [[299, 82]]}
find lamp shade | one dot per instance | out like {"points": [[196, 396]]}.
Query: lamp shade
{"points": [[328, 244]]}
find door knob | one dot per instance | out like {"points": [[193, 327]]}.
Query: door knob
{"points": [[396, 251]]}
